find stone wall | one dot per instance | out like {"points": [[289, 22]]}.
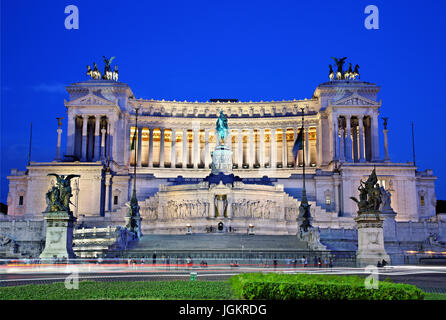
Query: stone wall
{"points": [[27, 237]]}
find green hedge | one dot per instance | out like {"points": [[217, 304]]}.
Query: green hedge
{"points": [[275, 286]]}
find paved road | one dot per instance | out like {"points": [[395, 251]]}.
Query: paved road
{"points": [[430, 279]]}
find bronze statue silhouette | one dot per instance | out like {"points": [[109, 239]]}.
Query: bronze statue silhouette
{"points": [[369, 194], [58, 198], [331, 73], [222, 127], [107, 68], [339, 63], [356, 72]]}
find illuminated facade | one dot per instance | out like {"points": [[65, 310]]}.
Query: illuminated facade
{"points": [[174, 138]]}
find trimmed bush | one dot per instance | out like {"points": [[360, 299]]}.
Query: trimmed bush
{"points": [[273, 286]]}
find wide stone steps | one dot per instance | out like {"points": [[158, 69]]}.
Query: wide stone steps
{"points": [[218, 241]]}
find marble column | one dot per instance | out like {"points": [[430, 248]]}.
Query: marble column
{"points": [[59, 133], [240, 148], [207, 153], [97, 136], [273, 149], [355, 143], [113, 138], [173, 152], [348, 136], [307, 146], [185, 157], [375, 137], [336, 193], [361, 139], [318, 145], [229, 140], [139, 144], [84, 137], [162, 147], [108, 178], [103, 132], [284, 149], [211, 206], [335, 137], [262, 148], [150, 147], [251, 146], [229, 213], [195, 148], [342, 146], [296, 160], [386, 146], [71, 134]]}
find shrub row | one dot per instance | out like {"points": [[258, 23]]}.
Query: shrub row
{"points": [[275, 286]]}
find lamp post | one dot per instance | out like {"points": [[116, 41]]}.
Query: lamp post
{"points": [[304, 219], [133, 218]]}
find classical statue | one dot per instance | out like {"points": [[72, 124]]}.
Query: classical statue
{"points": [[385, 200], [349, 73], [221, 204], [59, 121], [107, 69], [339, 63], [331, 73], [96, 74], [115, 74], [385, 119], [356, 72], [222, 127], [369, 194], [58, 197], [5, 240]]}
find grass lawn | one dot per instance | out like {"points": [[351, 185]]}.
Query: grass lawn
{"points": [[144, 290], [435, 296]]}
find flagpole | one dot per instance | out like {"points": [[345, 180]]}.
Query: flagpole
{"points": [[413, 145], [303, 151], [134, 162], [304, 218], [30, 142]]}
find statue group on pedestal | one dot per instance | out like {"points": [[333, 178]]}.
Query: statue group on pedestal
{"points": [[370, 194], [58, 197], [350, 74], [95, 74]]}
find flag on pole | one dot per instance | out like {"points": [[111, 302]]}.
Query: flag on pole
{"points": [[133, 140], [298, 144]]}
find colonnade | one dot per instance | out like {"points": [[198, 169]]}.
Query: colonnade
{"points": [[87, 136], [356, 138], [190, 148]]}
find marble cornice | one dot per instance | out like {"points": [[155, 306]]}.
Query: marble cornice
{"points": [[212, 109], [206, 123]]}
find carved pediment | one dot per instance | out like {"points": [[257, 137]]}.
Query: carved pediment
{"points": [[355, 100], [90, 100]]}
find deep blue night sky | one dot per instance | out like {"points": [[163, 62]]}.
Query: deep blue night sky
{"points": [[249, 50]]}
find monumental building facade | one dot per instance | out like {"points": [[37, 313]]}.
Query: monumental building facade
{"points": [[173, 144]]}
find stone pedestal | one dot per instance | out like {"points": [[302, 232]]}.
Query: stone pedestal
{"points": [[312, 237], [389, 225], [222, 160], [370, 239], [134, 225], [59, 235]]}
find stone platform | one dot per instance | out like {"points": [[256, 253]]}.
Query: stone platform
{"points": [[220, 248]]}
